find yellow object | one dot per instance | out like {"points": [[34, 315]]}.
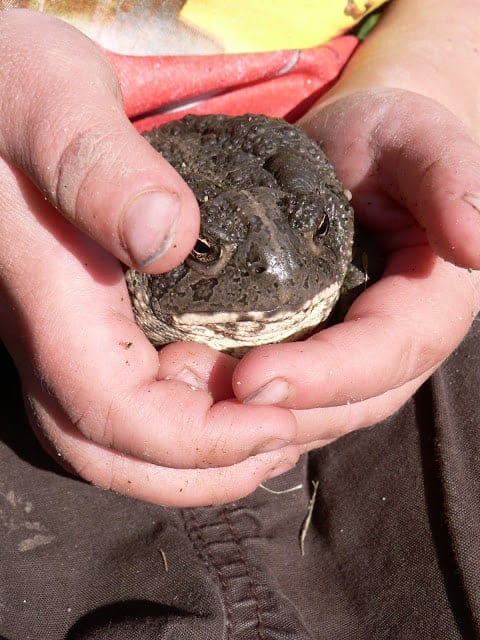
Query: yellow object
{"points": [[242, 26]]}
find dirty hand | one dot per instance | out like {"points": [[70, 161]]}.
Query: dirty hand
{"points": [[81, 194], [405, 141], [414, 182]]}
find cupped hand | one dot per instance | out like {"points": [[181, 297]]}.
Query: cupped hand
{"points": [[414, 172], [81, 194]]}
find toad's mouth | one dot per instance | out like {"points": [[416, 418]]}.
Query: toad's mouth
{"points": [[236, 333]]}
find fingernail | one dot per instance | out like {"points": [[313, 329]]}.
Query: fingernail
{"points": [[189, 377], [148, 225], [283, 467], [270, 445], [473, 200], [277, 390]]}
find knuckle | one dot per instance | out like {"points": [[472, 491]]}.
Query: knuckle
{"points": [[75, 162], [89, 159]]}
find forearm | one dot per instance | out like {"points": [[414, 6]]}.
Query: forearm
{"points": [[426, 46]]}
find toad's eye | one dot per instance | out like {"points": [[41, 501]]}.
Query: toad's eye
{"points": [[322, 228], [205, 251]]}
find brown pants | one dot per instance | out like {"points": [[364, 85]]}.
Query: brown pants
{"points": [[392, 551]]}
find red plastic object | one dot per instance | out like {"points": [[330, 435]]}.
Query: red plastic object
{"points": [[281, 83]]}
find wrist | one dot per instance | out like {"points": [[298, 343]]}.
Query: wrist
{"points": [[428, 48]]}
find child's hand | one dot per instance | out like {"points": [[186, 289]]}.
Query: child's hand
{"points": [[91, 379], [415, 175], [389, 126]]}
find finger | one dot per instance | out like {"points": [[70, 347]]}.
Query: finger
{"points": [[143, 480], [318, 427], [79, 330], [74, 141], [207, 369], [405, 324], [428, 165]]}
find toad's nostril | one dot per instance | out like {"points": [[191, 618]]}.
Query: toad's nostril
{"points": [[257, 267], [260, 270]]}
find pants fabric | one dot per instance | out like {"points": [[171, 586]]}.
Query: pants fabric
{"points": [[392, 550]]}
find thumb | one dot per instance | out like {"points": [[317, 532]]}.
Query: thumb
{"points": [[63, 125]]}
